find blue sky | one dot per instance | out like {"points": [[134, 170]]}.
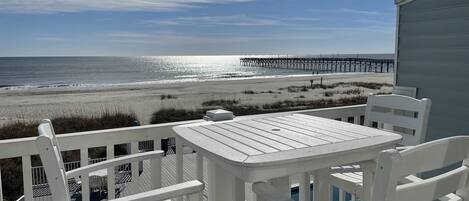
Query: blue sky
{"points": [[195, 27]]}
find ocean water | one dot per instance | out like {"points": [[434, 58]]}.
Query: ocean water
{"points": [[46, 72], [19, 73]]}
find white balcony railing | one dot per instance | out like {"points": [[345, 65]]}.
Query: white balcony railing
{"points": [[35, 176]]}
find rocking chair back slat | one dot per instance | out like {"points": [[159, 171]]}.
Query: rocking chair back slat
{"points": [[402, 114]]}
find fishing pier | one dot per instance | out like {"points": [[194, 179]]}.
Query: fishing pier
{"points": [[323, 65]]}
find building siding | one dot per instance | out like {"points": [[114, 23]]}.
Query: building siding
{"points": [[433, 55]]}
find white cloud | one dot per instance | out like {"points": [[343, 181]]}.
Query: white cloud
{"points": [[174, 38], [56, 6], [347, 10], [50, 39], [235, 20], [376, 22], [171, 38], [355, 11], [231, 20]]}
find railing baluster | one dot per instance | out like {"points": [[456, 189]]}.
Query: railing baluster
{"points": [[27, 178], [156, 173], [111, 176], [1, 193], [85, 181], [36, 175], [39, 176], [179, 163], [157, 144], [341, 195], [156, 166], [135, 168], [200, 172], [305, 189], [356, 120]]}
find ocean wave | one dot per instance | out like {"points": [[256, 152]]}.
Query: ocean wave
{"points": [[180, 79]]}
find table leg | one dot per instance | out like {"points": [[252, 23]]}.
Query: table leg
{"points": [[322, 187], [305, 187], [224, 186], [367, 184]]}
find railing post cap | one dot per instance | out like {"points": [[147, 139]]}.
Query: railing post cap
{"points": [[218, 115]]}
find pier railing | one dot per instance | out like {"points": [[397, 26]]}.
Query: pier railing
{"points": [[25, 148], [324, 65]]}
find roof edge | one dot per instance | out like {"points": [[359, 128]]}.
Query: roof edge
{"points": [[402, 2]]}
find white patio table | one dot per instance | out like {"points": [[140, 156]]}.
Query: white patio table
{"points": [[273, 148]]}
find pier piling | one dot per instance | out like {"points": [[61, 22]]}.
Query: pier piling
{"points": [[323, 65]]}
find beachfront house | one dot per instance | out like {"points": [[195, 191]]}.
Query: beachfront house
{"points": [[432, 53], [432, 60]]}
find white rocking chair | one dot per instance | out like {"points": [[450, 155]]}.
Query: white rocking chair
{"points": [[393, 165], [401, 114], [51, 158]]}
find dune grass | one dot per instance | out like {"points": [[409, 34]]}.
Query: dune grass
{"points": [[367, 85], [166, 115]]}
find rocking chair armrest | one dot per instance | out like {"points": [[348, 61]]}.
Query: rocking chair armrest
{"points": [[114, 162], [413, 178], [178, 190]]}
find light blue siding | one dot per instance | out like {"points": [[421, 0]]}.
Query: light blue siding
{"points": [[433, 55]]}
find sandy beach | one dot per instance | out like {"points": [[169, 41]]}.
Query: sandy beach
{"points": [[143, 100]]}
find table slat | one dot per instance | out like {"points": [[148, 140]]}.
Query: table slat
{"points": [[313, 135], [254, 136], [286, 140], [318, 126], [238, 146], [242, 139], [353, 128], [304, 126], [214, 146], [299, 137]]}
